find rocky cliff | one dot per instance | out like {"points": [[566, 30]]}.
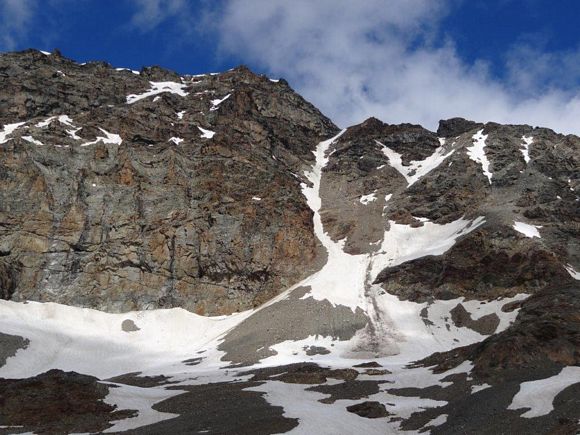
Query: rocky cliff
{"points": [[125, 190], [377, 279]]}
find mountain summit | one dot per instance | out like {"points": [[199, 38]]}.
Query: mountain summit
{"points": [[211, 254]]}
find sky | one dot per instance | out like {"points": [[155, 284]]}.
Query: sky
{"points": [[418, 61]]}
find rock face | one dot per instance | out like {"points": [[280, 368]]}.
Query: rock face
{"points": [[432, 277], [381, 175], [125, 191]]}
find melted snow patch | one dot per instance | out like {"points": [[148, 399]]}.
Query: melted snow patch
{"points": [[366, 199], [215, 103], [527, 141], [159, 88], [539, 395], [527, 229], [207, 134], [175, 140], [109, 138], [477, 153], [416, 168], [8, 130]]}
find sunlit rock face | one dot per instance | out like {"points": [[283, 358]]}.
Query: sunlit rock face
{"points": [[210, 254], [124, 191]]}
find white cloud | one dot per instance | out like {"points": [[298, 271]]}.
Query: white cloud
{"points": [[151, 13], [15, 16], [377, 58]]}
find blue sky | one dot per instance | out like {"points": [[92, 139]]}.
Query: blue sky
{"points": [[399, 60]]}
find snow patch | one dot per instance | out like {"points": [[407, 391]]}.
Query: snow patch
{"points": [[73, 133], [180, 114], [8, 130], [141, 400], [572, 272], [175, 140], [527, 229], [477, 153], [72, 338], [128, 69], [215, 103], [32, 140], [539, 395], [417, 168], [207, 134], [366, 199], [66, 120], [109, 138], [527, 141], [159, 88], [403, 243]]}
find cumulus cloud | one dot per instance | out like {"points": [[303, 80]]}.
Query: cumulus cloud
{"points": [[389, 59], [15, 16]]}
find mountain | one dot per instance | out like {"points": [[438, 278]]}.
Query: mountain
{"points": [[211, 254]]}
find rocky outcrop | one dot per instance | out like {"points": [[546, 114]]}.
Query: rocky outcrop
{"points": [[544, 337], [126, 191], [56, 402], [380, 174]]}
